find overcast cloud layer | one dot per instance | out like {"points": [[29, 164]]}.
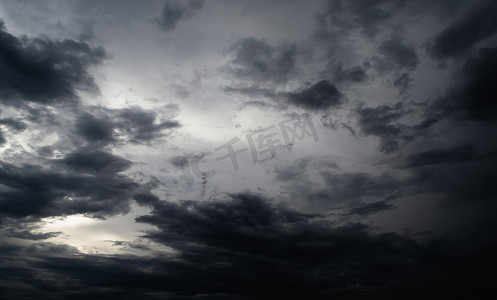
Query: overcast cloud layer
{"points": [[248, 149]]}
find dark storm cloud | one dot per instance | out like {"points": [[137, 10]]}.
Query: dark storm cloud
{"points": [[399, 54], [13, 124], [385, 122], [146, 199], [397, 59], [179, 161], [43, 70], [439, 156], [355, 186], [258, 61], [29, 234], [94, 161], [358, 193], [246, 248], [469, 182], [461, 174], [34, 191], [341, 22], [174, 12], [366, 209], [94, 129], [130, 125], [320, 95], [381, 122], [476, 25], [141, 124], [473, 96], [402, 82], [263, 246]]}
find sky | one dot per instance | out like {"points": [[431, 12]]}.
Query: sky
{"points": [[248, 149]]}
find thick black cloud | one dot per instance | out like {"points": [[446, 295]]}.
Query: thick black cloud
{"points": [[13, 124], [381, 122], [397, 59], [260, 62], [246, 248], [83, 182], [473, 96], [94, 161], [21, 231], [320, 95], [43, 70], [396, 52], [365, 209], [130, 125], [141, 124], [94, 129], [458, 175], [439, 156], [173, 12], [476, 25]]}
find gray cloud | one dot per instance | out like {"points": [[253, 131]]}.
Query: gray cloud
{"points": [[398, 53], [141, 124], [367, 16], [94, 161], [175, 12], [251, 91], [258, 61], [355, 74], [365, 209]]}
